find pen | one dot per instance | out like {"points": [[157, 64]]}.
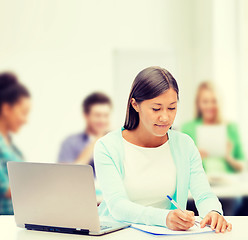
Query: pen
{"points": [[177, 206]]}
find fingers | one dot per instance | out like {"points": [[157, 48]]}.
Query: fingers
{"points": [[214, 219], [191, 213], [186, 216], [185, 224], [179, 225], [224, 225], [219, 224], [205, 221], [229, 227], [178, 220]]}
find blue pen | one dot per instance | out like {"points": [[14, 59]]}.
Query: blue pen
{"points": [[177, 206]]}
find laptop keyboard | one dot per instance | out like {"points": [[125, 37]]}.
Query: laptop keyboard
{"points": [[104, 227]]}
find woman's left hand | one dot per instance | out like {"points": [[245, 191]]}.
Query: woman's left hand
{"points": [[216, 221]]}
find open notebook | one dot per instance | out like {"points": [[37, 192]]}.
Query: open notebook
{"points": [[155, 230]]}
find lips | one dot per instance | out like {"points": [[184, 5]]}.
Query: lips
{"points": [[161, 125]]}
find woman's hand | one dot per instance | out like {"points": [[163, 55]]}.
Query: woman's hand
{"points": [[216, 221], [8, 193], [234, 163], [203, 154], [178, 220]]}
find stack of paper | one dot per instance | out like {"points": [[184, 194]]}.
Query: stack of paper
{"points": [[154, 230]]}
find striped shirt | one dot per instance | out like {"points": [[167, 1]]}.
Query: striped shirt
{"points": [[72, 147], [7, 153]]}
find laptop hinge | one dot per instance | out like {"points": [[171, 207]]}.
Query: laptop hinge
{"points": [[56, 229]]}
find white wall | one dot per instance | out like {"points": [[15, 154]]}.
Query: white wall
{"points": [[63, 50], [242, 83]]}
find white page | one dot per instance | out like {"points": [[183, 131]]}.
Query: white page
{"points": [[212, 139], [166, 231]]}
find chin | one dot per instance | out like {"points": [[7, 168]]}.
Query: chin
{"points": [[15, 130], [161, 133]]}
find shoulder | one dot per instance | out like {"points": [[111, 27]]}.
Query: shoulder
{"points": [[233, 130], [108, 147], [180, 138], [112, 138], [232, 126], [71, 139], [190, 124]]}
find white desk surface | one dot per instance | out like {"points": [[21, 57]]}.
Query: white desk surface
{"points": [[9, 231]]}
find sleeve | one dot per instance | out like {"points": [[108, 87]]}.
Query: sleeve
{"points": [[205, 199], [115, 196], [4, 181], [66, 153], [238, 152]]}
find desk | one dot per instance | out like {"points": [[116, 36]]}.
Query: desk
{"points": [[9, 231], [229, 186]]}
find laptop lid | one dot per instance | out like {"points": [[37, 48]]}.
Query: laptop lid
{"points": [[60, 195]]}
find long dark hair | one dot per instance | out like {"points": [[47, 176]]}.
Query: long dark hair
{"points": [[11, 90], [148, 84]]}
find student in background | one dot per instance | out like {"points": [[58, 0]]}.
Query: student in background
{"points": [[78, 148], [208, 113], [140, 163], [14, 110]]}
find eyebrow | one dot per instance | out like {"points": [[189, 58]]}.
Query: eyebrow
{"points": [[161, 104]]}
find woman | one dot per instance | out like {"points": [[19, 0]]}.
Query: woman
{"points": [[139, 164], [208, 113], [14, 109]]}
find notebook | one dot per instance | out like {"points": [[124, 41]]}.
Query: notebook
{"points": [[212, 139], [155, 230]]}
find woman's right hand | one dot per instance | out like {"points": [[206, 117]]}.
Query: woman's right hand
{"points": [[178, 220]]}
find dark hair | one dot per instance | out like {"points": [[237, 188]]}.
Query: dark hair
{"points": [[148, 84], [11, 90], [95, 98]]}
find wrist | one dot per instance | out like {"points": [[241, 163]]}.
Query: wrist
{"points": [[216, 212]]}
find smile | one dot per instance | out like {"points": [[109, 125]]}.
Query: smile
{"points": [[162, 126]]}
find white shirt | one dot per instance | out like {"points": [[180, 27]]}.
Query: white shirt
{"points": [[150, 174]]}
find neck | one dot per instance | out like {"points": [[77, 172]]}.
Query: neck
{"points": [[209, 121], [146, 139], [4, 130], [89, 131]]}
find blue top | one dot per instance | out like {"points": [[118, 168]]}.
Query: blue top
{"points": [[72, 147], [7, 153], [108, 159]]}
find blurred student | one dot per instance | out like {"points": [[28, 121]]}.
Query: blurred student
{"points": [[139, 164], [78, 148], [14, 110], [208, 113]]}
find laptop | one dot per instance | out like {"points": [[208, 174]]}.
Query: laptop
{"points": [[57, 198]]}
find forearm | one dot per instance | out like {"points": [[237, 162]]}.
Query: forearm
{"points": [[125, 210], [235, 164]]}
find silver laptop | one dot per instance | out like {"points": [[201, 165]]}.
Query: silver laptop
{"points": [[56, 198]]}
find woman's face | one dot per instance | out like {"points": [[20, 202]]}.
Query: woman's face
{"points": [[17, 114], [207, 104], [158, 114]]}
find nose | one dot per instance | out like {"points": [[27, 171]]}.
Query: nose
{"points": [[164, 117]]}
